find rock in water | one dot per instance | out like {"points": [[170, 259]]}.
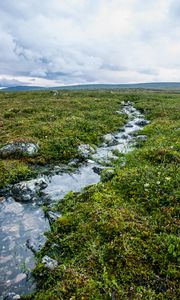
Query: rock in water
{"points": [[142, 122], [19, 149], [86, 150], [35, 244], [53, 216], [28, 190], [12, 296], [109, 139]]}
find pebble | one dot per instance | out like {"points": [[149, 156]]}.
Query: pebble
{"points": [[20, 277]]}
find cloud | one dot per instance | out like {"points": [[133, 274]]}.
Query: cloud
{"points": [[11, 82], [82, 41]]}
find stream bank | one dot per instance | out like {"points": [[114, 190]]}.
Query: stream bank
{"points": [[23, 223]]}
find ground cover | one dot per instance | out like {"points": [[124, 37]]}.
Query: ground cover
{"points": [[58, 123], [119, 239]]}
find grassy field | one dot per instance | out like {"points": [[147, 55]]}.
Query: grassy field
{"points": [[58, 124], [117, 239]]}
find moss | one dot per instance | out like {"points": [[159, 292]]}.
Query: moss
{"points": [[13, 171]]}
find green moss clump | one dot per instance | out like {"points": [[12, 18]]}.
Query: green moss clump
{"points": [[13, 171]]}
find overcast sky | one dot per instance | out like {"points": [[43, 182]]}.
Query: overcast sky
{"points": [[56, 42]]}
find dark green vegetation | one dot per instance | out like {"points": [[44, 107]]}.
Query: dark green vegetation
{"points": [[57, 123], [118, 239]]}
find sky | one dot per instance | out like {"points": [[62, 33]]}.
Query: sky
{"points": [[64, 42]]}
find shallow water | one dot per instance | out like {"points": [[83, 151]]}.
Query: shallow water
{"points": [[23, 221]]}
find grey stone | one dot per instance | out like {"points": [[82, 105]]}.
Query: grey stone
{"points": [[141, 122], [128, 103], [86, 150], [132, 110], [20, 277], [28, 190], [19, 148], [142, 138], [98, 170], [109, 139], [49, 262], [40, 184], [53, 216], [124, 136], [12, 296], [129, 125], [35, 244]]}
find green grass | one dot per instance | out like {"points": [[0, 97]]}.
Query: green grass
{"points": [[117, 239], [57, 123]]}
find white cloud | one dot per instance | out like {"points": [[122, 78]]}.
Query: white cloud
{"points": [[79, 41]]}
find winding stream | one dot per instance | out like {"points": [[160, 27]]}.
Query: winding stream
{"points": [[21, 222]]}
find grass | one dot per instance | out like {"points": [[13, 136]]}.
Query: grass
{"points": [[58, 124], [117, 239]]}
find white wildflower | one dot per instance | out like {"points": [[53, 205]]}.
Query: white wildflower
{"points": [[146, 184]]}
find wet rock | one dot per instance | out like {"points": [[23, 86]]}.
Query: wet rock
{"points": [[98, 170], [12, 296], [109, 139], [141, 138], [53, 216], [35, 244], [74, 163], [86, 150], [141, 122], [49, 262], [40, 184], [132, 110], [119, 133], [28, 190], [128, 103], [57, 169], [20, 277], [124, 136], [19, 149], [129, 125]]}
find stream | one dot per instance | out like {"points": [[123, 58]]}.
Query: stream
{"points": [[24, 223]]}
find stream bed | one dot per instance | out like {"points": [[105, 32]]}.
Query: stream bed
{"points": [[23, 223]]}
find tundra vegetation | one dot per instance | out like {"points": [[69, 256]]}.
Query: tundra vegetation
{"points": [[58, 123], [117, 239]]}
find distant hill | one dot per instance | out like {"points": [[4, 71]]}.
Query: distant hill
{"points": [[23, 88], [150, 85]]}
